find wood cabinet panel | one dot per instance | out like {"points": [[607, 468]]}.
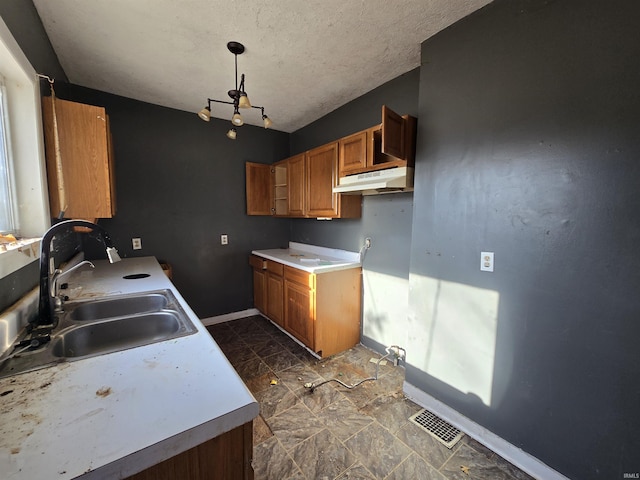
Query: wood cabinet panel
{"points": [[275, 267], [258, 191], [87, 160], [275, 298], [322, 176], [305, 279], [392, 133], [260, 290], [296, 185], [299, 312], [226, 457], [353, 153]]}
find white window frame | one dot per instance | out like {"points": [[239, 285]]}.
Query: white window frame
{"points": [[31, 207], [6, 179]]}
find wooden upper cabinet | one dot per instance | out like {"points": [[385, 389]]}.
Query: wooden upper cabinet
{"points": [[353, 152], [296, 185], [322, 176], [258, 191], [86, 160], [390, 144]]}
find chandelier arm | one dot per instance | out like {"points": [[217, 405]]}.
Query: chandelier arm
{"points": [[219, 101]]}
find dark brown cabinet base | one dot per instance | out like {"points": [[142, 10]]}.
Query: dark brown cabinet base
{"points": [[226, 457]]}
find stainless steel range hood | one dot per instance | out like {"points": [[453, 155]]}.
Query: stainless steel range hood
{"points": [[391, 180]]}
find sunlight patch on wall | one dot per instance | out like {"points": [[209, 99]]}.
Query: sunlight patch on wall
{"points": [[385, 309], [452, 333]]}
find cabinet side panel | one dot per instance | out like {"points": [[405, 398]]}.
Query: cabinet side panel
{"points": [[338, 310], [258, 188], [50, 153]]}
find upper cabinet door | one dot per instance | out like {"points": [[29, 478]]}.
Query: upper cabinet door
{"points": [[86, 164], [258, 186], [393, 133], [296, 185], [353, 153], [322, 176]]}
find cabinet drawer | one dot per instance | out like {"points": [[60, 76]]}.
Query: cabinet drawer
{"points": [[274, 267], [300, 276], [257, 262]]}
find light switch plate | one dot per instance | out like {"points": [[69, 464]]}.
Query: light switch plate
{"points": [[486, 261], [224, 239]]}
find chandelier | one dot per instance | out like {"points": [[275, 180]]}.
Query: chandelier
{"points": [[238, 96]]}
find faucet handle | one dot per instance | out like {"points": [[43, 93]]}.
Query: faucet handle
{"points": [[112, 255]]}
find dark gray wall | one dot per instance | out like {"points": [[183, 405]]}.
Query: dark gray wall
{"points": [[22, 20], [180, 185], [529, 146]]}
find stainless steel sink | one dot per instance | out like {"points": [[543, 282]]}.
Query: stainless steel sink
{"points": [[115, 335], [117, 307], [98, 327]]}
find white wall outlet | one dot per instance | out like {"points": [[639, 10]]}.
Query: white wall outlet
{"points": [[486, 261], [136, 243], [224, 239]]}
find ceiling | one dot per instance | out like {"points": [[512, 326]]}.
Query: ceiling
{"points": [[303, 59]]}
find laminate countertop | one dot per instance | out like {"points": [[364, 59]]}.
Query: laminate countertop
{"points": [[311, 258], [116, 414]]}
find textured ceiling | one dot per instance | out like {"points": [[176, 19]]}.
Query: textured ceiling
{"points": [[303, 59]]}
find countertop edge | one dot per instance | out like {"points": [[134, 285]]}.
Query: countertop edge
{"points": [[175, 445], [316, 269]]}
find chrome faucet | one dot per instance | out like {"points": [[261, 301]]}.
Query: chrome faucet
{"points": [[54, 291], [48, 285]]}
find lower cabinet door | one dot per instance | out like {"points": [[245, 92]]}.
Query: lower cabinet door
{"points": [[299, 312], [274, 298], [260, 290]]}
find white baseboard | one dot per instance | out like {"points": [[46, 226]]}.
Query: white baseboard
{"points": [[207, 322], [506, 450]]}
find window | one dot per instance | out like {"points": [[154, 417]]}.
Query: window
{"points": [[6, 184], [23, 185]]}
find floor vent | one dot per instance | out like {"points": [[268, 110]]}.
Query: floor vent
{"points": [[445, 433]]}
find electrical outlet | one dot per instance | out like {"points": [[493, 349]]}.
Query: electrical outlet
{"points": [[136, 243], [486, 261], [224, 239]]}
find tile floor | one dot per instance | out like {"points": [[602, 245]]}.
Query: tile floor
{"points": [[334, 432]]}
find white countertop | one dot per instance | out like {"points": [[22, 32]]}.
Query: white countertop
{"points": [[113, 415], [311, 258]]}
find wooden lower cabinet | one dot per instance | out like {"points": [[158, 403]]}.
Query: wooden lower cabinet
{"points": [[321, 310], [226, 457]]}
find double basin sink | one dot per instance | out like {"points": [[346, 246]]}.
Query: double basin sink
{"points": [[97, 327]]}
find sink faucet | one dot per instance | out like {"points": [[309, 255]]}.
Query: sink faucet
{"points": [[54, 291], [48, 286]]}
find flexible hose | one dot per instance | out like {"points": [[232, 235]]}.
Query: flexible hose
{"points": [[392, 350]]}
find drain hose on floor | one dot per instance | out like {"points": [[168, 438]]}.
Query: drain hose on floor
{"points": [[392, 350]]}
